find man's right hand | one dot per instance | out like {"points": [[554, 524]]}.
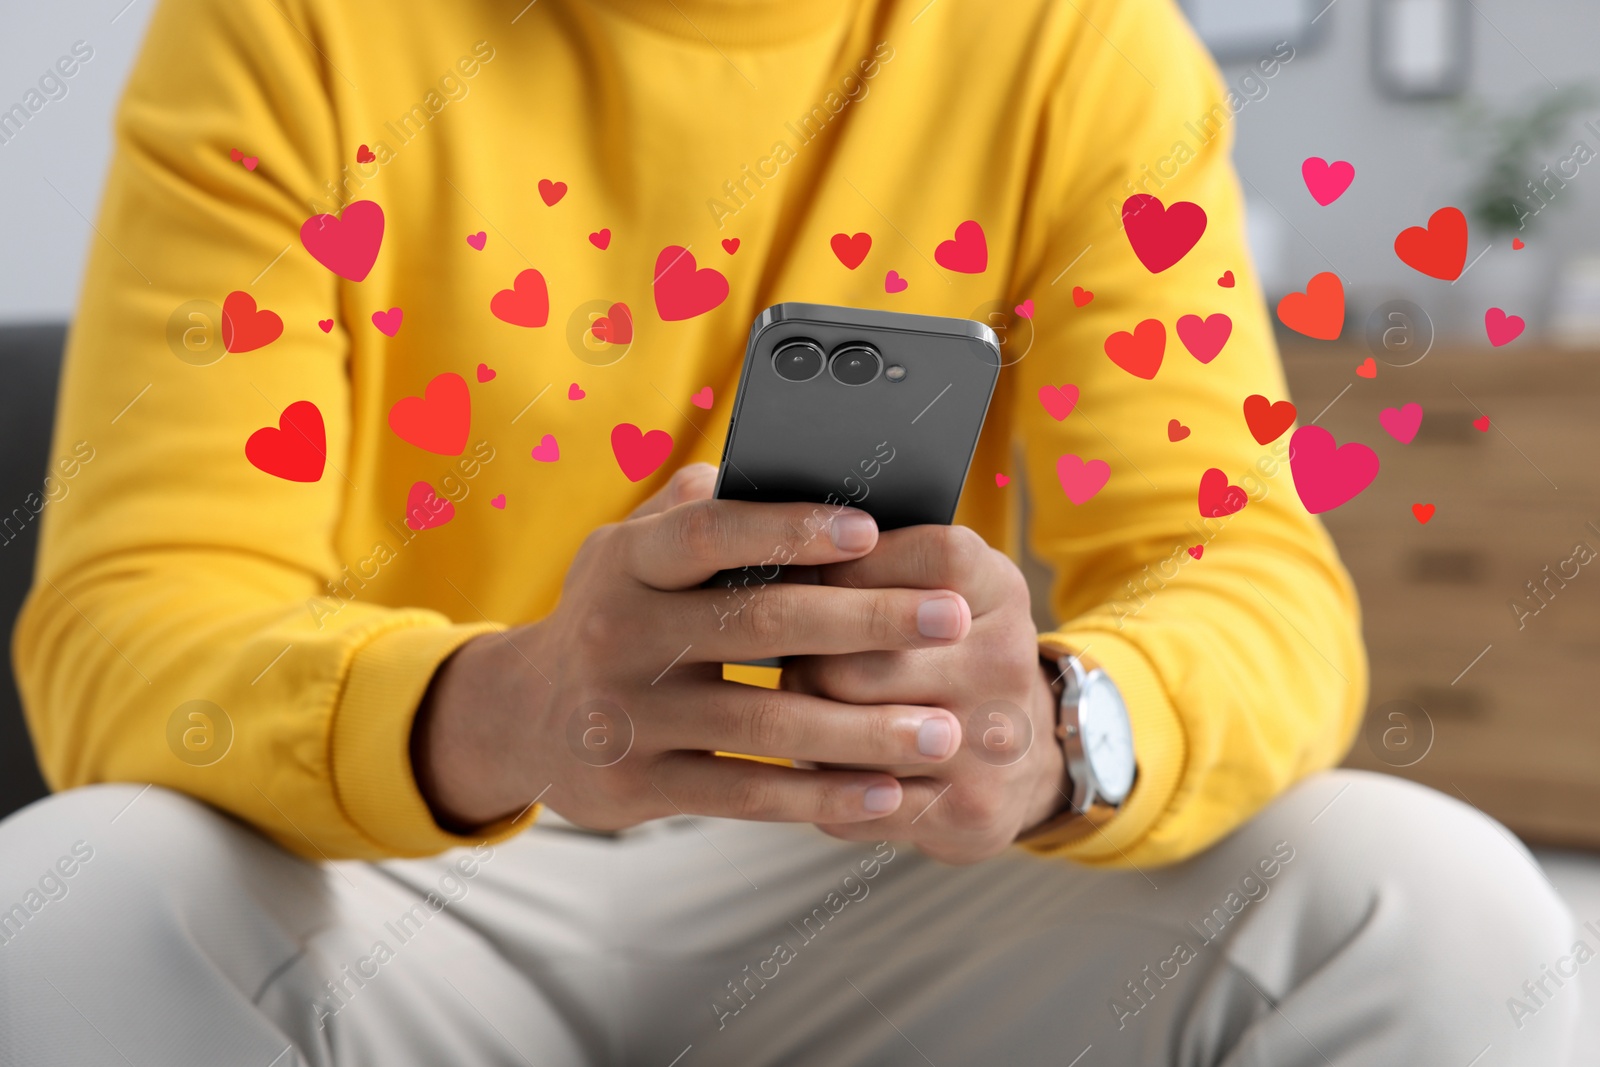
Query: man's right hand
{"points": [[611, 708]]}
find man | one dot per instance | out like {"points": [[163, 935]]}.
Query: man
{"points": [[407, 571]]}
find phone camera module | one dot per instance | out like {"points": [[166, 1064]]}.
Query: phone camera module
{"points": [[856, 364], [798, 360]]}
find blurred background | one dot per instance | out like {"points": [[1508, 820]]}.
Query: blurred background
{"points": [[1481, 621]]}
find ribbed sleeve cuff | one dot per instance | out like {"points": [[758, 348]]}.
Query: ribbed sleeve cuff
{"points": [[1159, 746], [371, 743]]}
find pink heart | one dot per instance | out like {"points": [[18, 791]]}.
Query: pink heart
{"points": [[485, 373], [250, 162], [1402, 423], [1327, 181], [1080, 480], [325, 325], [1196, 551], [477, 240], [639, 454], [425, 509], [601, 239], [547, 451], [967, 254], [498, 502], [1002, 480], [575, 393], [1025, 309], [893, 283], [1327, 474], [681, 291], [1058, 400], [1204, 338], [702, 399], [1502, 328], [347, 244], [387, 322]]}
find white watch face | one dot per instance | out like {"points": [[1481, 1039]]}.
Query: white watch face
{"points": [[1107, 736]]}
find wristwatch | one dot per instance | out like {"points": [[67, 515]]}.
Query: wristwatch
{"points": [[1096, 739]]}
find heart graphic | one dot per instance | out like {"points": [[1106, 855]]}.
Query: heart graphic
{"points": [[1423, 512], [498, 502], [1402, 423], [346, 244], [1502, 328], [1205, 337], [730, 245], [235, 155], [615, 326], [387, 322], [574, 392], [1002, 480], [1267, 420], [893, 283], [425, 509], [681, 291], [364, 155], [1438, 250], [1319, 311], [1058, 400], [851, 248], [1025, 309], [478, 240], [485, 373], [1482, 423], [1161, 236], [296, 449], [1140, 352], [551, 192], [546, 451], [1517, 245], [968, 253], [1176, 431], [325, 325], [250, 162], [1368, 368], [437, 421], [244, 329], [703, 399], [1327, 474], [1218, 499], [1327, 181], [1081, 296], [526, 303], [601, 239], [1196, 551], [639, 454], [1080, 480], [1226, 281]]}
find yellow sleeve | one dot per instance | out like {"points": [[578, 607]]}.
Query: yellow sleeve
{"points": [[1243, 669], [173, 571]]}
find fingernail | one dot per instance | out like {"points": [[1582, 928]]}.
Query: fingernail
{"points": [[852, 531], [934, 737], [939, 618], [882, 798]]}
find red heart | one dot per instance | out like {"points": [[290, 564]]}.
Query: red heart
{"points": [[851, 249], [1226, 281], [1217, 498], [681, 291], [1482, 423], [1440, 249], [437, 421], [1196, 551], [1025, 309], [1517, 245], [1058, 400], [364, 155], [1140, 352], [730, 245], [893, 283], [425, 509], [639, 454], [551, 192], [1205, 337], [1081, 296], [325, 325], [1423, 512], [1177, 431], [235, 155], [703, 399], [601, 239], [1161, 236], [1368, 368], [486, 373], [614, 327], [478, 240], [388, 322], [347, 244], [967, 254], [1002, 480], [575, 392], [296, 449], [526, 303], [244, 329], [1267, 420], [1319, 311]]}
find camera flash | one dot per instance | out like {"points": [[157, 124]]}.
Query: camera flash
{"points": [[896, 373]]}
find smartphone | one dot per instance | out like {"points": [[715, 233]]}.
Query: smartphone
{"points": [[875, 410]]}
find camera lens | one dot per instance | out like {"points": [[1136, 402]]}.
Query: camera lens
{"points": [[856, 364], [797, 361]]}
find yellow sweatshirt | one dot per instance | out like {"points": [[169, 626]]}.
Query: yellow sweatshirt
{"points": [[261, 640]]}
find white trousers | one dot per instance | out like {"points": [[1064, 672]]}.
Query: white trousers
{"points": [[1359, 920]]}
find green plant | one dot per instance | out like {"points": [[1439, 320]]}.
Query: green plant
{"points": [[1507, 142]]}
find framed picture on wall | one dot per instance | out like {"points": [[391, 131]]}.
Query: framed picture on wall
{"points": [[1421, 49], [1245, 29]]}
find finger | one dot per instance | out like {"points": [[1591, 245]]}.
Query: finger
{"points": [[935, 557], [726, 716], [692, 482], [683, 546], [918, 816], [780, 619], [696, 783], [904, 676]]}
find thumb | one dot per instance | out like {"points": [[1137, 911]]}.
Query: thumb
{"points": [[693, 482]]}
